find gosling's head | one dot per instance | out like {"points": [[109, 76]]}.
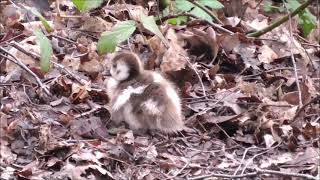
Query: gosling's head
{"points": [[125, 66]]}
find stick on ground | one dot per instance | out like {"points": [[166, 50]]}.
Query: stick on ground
{"points": [[16, 61]]}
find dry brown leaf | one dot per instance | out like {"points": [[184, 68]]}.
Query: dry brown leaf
{"points": [[232, 21], [71, 135], [70, 62], [268, 139], [92, 67], [7, 157], [229, 42], [293, 97], [27, 60], [119, 10], [266, 54], [257, 24], [174, 58], [281, 158], [96, 24], [44, 137], [79, 93], [201, 41]]}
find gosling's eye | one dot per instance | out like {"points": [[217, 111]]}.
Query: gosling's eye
{"points": [[114, 65]]}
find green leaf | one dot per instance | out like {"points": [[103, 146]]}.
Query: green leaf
{"points": [[201, 14], [45, 50], [119, 33], [149, 23], [292, 5], [106, 44], [268, 7], [86, 5], [214, 4], [178, 20], [42, 19], [307, 21], [184, 5], [173, 21]]}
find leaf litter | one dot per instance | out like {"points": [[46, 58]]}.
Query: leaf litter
{"points": [[247, 120]]}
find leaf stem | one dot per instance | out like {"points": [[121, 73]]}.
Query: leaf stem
{"points": [[213, 16], [213, 25]]}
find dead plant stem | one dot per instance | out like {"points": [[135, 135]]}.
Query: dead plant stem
{"points": [[292, 56], [16, 61]]}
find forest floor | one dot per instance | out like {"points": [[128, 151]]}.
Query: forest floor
{"points": [[251, 104]]}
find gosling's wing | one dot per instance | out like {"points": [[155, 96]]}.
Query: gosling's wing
{"points": [[164, 117], [150, 102], [125, 95], [157, 109]]}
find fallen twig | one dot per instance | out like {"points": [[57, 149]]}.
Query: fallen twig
{"points": [[266, 171], [268, 71], [94, 108], [257, 172], [313, 45], [177, 173], [213, 25], [16, 61], [195, 70], [292, 57], [211, 106], [256, 155], [56, 65], [242, 159], [223, 176], [314, 100], [62, 38]]}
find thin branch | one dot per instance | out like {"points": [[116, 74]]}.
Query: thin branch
{"points": [[213, 25], [94, 108], [313, 45], [256, 155], [309, 58], [243, 158], [11, 39], [62, 38], [269, 71], [7, 84], [195, 70], [224, 176], [214, 17], [56, 65], [177, 173], [213, 106], [258, 4], [292, 56], [164, 18], [280, 21], [314, 100], [266, 171], [257, 172], [16, 61]]}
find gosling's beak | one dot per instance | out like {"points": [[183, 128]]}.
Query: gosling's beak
{"points": [[107, 73]]}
